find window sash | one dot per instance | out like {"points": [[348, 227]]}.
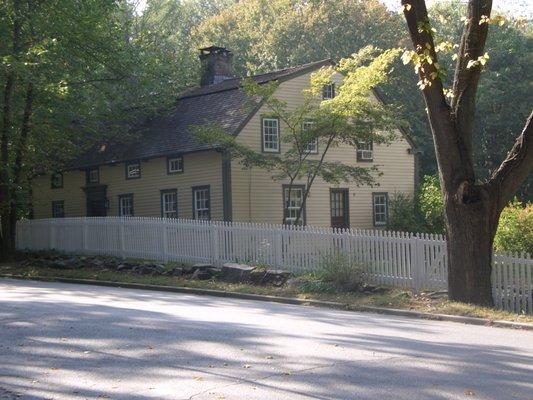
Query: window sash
{"points": [[57, 180], [328, 91], [380, 206], [175, 164], [201, 199], [311, 146], [93, 175], [365, 151], [133, 170], [125, 205], [270, 132], [169, 204], [292, 208]]}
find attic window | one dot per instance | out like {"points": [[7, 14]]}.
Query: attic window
{"points": [[175, 164], [270, 135], [133, 170], [57, 180], [328, 91]]}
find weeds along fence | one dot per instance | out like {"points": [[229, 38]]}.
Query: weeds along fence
{"points": [[413, 261]]}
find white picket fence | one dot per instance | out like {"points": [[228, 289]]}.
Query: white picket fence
{"points": [[415, 261]]}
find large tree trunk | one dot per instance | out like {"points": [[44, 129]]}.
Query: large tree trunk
{"points": [[470, 236]]}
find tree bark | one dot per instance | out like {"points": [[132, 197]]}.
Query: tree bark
{"points": [[472, 211]]}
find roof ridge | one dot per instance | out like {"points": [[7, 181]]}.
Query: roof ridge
{"points": [[235, 83]]}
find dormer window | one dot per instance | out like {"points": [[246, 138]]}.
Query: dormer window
{"points": [[328, 91], [133, 170], [57, 180], [174, 164], [365, 152]]}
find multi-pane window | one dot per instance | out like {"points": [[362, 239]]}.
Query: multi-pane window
{"points": [[57, 180], [292, 201], [365, 151], [58, 209], [271, 135], [169, 203], [380, 205], [93, 175], [201, 202], [174, 164], [125, 205], [328, 91], [133, 170], [312, 145]]}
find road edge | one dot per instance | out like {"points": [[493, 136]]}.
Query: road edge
{"points": [[283, 300]]}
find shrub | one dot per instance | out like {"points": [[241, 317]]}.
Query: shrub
{"points": [[431, 204], [515, 229], [402, 214], [336, 268]]}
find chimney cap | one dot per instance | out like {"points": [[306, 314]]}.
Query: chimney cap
{"points": [[214, 49]]}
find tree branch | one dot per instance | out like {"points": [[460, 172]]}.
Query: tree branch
{"points": [[515, 168], [466, 79]]}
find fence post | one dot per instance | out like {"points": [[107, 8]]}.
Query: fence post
{"points": [[52, 234], [84, 235]]}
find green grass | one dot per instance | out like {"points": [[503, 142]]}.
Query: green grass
{"points": [[390, 297]]}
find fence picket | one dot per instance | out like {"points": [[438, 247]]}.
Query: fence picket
{"points": [[416, 261]]}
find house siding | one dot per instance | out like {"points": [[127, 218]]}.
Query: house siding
{"points": [[256, 197], [201, 168]]}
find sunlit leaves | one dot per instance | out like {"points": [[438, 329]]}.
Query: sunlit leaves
{"points": [[481, 60]]}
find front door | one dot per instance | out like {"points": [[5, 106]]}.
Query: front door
{"points": [[339, 208], [96, 200]]}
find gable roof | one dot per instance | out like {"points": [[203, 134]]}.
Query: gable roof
{"points": [[222, 104]]}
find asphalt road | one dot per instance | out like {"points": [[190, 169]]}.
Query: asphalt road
{"points": [[63, 341]]}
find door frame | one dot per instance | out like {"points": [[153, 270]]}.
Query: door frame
{"points": [[346, 206]]}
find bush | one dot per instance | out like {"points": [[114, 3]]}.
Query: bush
{"points": [[402, 214], [337, 269], [515, 229], [431, 204]]}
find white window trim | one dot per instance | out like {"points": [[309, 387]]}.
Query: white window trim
{"points": [[121, 206], [165, 213], [128, 170], [169, 164], [375, 196], [196, 210], [265, 149], [332, 92], [287, 209], [365, 154], [96, 171], [309, 125]]}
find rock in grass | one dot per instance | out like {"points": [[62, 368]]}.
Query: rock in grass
{"points": [[276, 277], [235, 273]]}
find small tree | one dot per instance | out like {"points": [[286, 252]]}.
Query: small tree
{"points": [[316, 126]]}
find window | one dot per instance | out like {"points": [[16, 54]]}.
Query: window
{"points": [[58, 209], [125, 205], [292, 204], [93, 175], [328, 91], [174, 164], [270, 135], [381, 207], [312, 145], [169, 203], [133, 170], [57, 180], [365, 151], [201, 199]]}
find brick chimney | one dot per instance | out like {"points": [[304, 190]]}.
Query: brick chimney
{"points": [[217, 65]]}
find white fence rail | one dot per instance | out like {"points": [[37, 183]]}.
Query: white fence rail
{"points": [[416, 261]]}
